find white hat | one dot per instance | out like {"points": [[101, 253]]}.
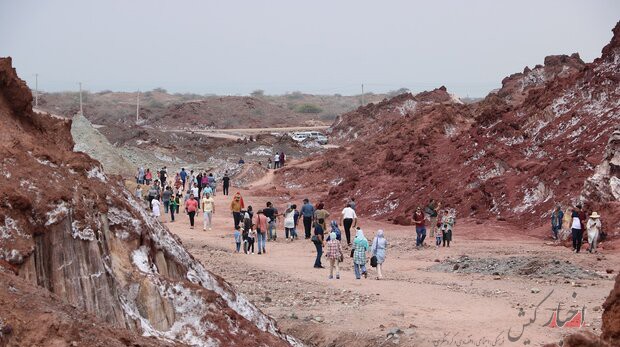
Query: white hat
{"points": [[595, 215]]}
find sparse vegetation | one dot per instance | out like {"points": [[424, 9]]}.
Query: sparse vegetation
{"points": [[308, 108], [294, 95], [396, 92]]}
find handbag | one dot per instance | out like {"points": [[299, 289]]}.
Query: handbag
{"points": [[315, 239], [373, 261]]}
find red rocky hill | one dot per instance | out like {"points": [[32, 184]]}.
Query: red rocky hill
{"points": [[94, 254], [512, 155]]}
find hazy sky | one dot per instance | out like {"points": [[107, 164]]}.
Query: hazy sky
{"points": [[234, 47]]}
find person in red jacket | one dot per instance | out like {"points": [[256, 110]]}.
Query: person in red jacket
{"points": [[420, 227], [191, 206]]}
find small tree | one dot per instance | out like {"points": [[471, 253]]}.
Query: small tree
{"points": [[258, 93], [308, 108], [393, 93]]}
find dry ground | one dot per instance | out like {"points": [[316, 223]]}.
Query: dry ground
{"points": [[430, 308]]}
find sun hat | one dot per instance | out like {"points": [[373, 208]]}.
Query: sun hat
{"points": [[595, 215]]}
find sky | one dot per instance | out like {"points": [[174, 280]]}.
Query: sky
{"points": [[232, 47]]}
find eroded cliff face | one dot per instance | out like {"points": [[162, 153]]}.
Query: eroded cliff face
{"points": [[513, 155], [67, 227]]}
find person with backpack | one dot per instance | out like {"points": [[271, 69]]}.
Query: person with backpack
{"points": [[260, 221], [307, 212], [247, 225], [334, 254], [348, 220], [577, 227], [379, 246], [557, 217], [360, 247], [174, 207], [212, 183]]}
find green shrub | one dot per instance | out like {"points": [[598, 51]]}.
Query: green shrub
{"points": [[308, 108]]}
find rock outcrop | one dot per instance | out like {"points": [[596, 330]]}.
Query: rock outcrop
{"points": [[512, 155], [67, 227]]}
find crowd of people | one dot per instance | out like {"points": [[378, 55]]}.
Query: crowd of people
{"points": [[580, 225], [253, 229]]}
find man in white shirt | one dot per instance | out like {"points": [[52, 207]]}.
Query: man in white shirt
{"points": [[276, 160], [348, 219]]}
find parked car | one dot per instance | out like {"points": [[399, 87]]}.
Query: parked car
{"points": [[310, 135]]}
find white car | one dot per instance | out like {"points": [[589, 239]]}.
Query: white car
{"points": [[313, 135]]}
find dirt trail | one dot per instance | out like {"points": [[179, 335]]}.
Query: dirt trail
{"points": [[429, 307]]}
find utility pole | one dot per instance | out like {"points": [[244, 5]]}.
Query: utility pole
{"points": [[362, 94], [36, 90], [137, 107], [81, 110]]}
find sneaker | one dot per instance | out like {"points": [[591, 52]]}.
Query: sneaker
{"points": [[337, 277], [258, 253], [204, 229], [330, 277], [209, 228], [252, 252], [365, 274]]}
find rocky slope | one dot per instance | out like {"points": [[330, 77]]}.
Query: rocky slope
{"points": [[90, 141], [512, 155], [68, 228]]}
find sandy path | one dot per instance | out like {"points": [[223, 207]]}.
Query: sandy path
{"points": [[432, 308]]}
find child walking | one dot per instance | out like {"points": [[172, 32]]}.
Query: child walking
{"points": [[238, 238], [251, 238], [438, 235]]}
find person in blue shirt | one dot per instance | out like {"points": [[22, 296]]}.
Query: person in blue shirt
{"points": [[307, 211], [556, 221], [183, 175]]}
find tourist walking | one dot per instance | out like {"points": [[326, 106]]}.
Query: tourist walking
{"points": [[191, 205], [321, 214], [594, 228], [212, 183], [225, 184], [556, 221], [360, 247], [174, 207], [348, 220], [208, 209], [289, 223], [140, 176], [578, 223], [318, 239], [250, 239], [420, 228], [236, 205], [282, 158], [307, 211], [379, 246], [272, 217], [431, 214], [237, 235], [183, 175], [334, 254], [260, 221], [156, 208], [335, 230], [166, 196], [447, 224]]}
